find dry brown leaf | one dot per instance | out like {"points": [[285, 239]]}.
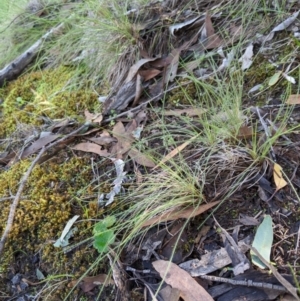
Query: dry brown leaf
{"points": [[213, 40], [88, 283], [156, 89], [149, 73], [175, 151], [293, 99], [96, 118], [140, 158], [235, 31], [178, 278], [172, 68], [189, 112], [278, 178], [136, 67], [124, 143], [177, 213], [245, 132], [38, 144], [169, 294], [162, 62], [91, 148]]}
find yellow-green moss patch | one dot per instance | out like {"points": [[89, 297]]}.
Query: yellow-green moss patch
{"points": [[51, 200], [39, 97]]}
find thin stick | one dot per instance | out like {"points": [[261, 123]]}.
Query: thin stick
{"points": [[15, 203], [245, 282]]}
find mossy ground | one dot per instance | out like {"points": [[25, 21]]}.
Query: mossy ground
{"points": [[56, 189], [40, 97]]}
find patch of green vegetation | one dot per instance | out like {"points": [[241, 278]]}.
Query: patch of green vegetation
{"points": [[103, 236], [50, 202], [43, 95]]}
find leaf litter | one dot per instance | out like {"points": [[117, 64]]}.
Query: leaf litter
{"points": [[158, 68]]}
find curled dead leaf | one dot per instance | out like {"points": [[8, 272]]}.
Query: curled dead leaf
{"points": [[278, 177]]}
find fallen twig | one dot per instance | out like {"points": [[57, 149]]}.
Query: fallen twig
{"points": [[246, 282], [15, 203], [7, 198]]}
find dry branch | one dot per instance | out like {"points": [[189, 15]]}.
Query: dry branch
{"points": [[15, 68]]}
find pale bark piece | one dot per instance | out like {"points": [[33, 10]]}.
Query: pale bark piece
{"points": [[176, 213], [171, 70], [211, 261], [180, 279], [136, 67], [124, 96]]}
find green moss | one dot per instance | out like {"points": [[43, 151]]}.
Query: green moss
{"points": [[50, 202], [185, 94], [40, 96]]}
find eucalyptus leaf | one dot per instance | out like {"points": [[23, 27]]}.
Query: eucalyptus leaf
{"points": [[275, 78], [263, 242], [67, 233]]}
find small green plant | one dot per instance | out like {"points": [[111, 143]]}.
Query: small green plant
{"points": [[103, 236]]}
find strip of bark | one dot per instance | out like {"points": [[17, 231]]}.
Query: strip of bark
{"points": [[16, 67]]}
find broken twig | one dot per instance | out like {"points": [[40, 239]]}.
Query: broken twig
{"points": [[248, 283]]}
